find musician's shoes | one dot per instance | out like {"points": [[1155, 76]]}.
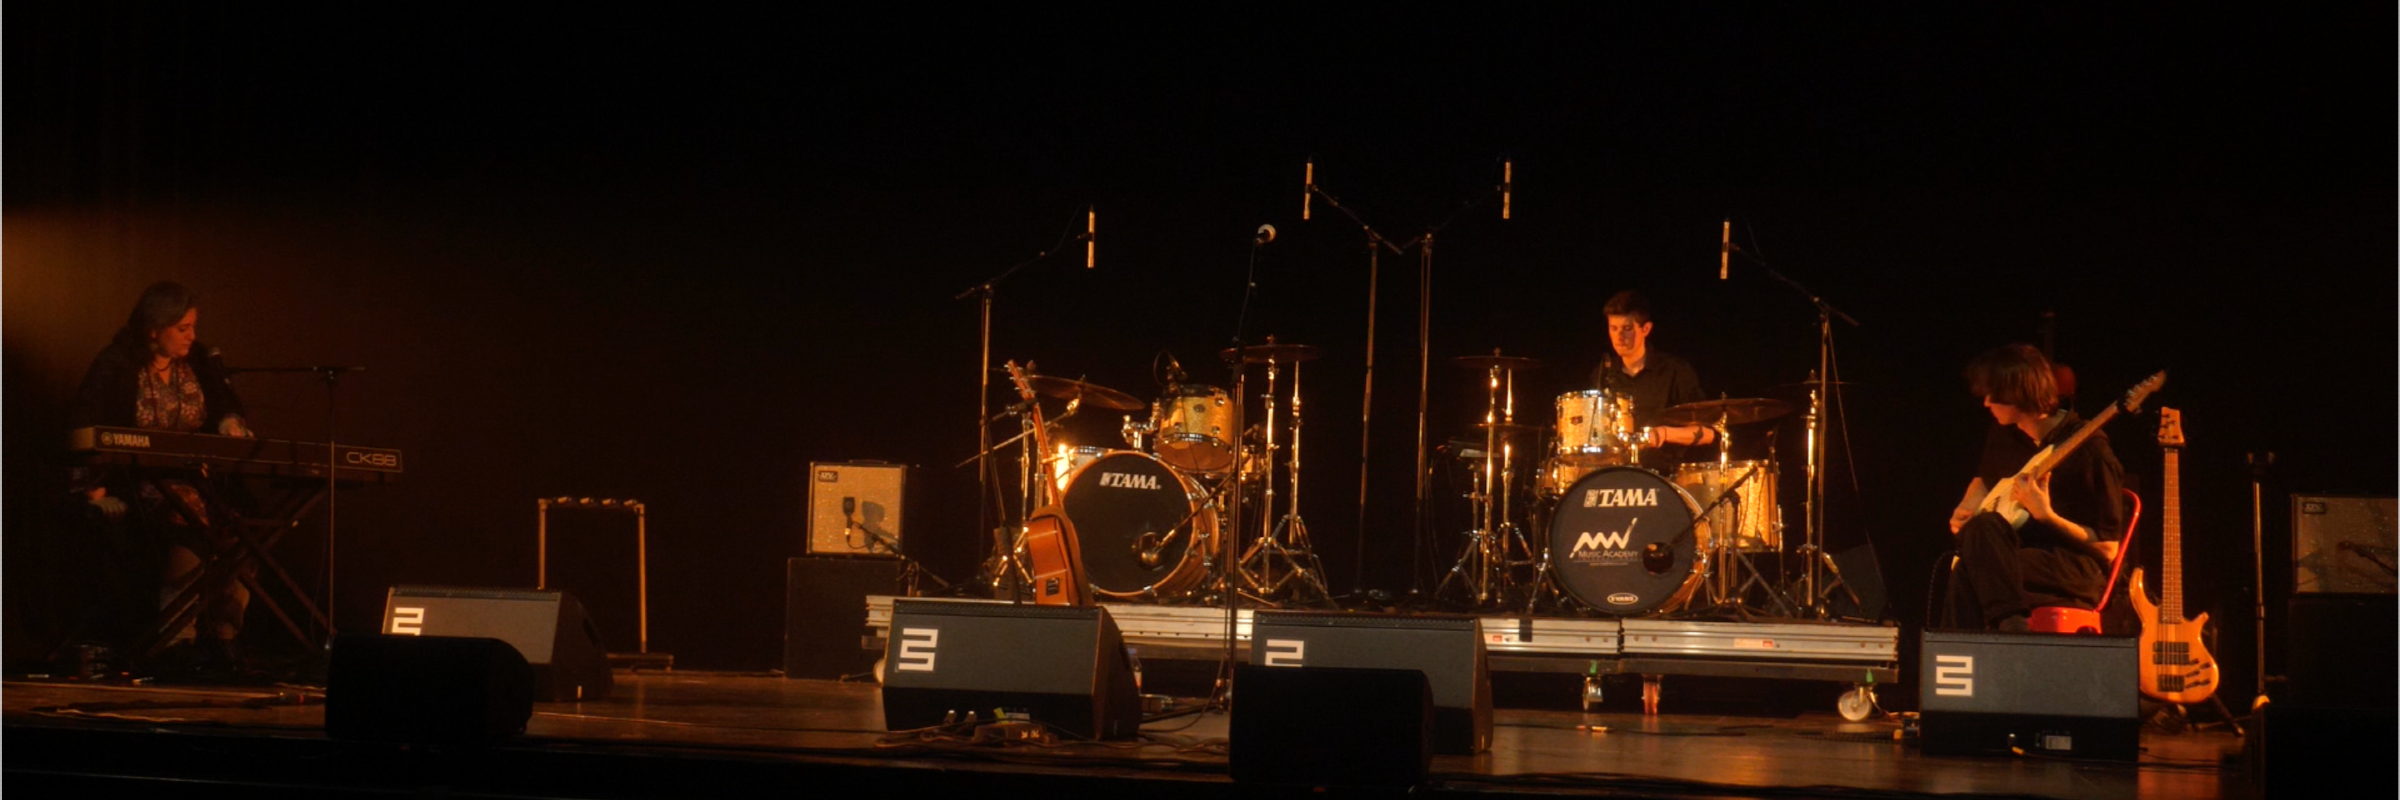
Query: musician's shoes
{"points": [[2017, 624]]}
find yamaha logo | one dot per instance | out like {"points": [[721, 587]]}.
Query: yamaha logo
{"points": [[1127, 480], [1623, 599], [113, 439], [1611, 498]]}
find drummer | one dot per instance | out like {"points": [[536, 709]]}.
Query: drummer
{"points": [[1654, 381]]}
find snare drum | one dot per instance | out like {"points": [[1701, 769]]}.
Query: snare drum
{"points": [[1750, 521], [1143, 527], [1194, 429], [1595, 428], [1618, 542]]}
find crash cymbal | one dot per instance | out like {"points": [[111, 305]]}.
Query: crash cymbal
{"points": [[1272, 351], [1095, 394], [1498, 361], [1737, 411]]}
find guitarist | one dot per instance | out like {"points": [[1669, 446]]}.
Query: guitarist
{"points": [[2060, 556]]}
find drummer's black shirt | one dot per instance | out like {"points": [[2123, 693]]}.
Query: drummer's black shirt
{"points": [[1666, 381]]}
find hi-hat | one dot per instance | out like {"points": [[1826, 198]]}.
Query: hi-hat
{"points": [[1498, 361], [1737, 411], [1095, 394], [1271, 351]]}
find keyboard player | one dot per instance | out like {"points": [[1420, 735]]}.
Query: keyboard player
{"points": [[146, 547]]}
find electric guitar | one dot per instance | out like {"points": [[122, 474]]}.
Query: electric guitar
{"points": [[2176, 666], [1998, 498], [1052, 555]]}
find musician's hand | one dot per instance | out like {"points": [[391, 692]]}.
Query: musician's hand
{"points": [[2034, 497], [1959, 517], [232, 425], [109, 507]]}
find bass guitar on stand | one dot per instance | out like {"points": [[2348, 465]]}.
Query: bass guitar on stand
{"points": [[2176, 665]]}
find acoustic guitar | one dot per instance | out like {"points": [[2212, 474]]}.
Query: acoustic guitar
{"points": [[2176, 666]]}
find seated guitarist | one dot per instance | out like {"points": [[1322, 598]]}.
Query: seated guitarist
{"points": [[2061, 555]]}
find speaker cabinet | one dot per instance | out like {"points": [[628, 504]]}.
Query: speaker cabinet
{"points": [[1447, 648], [548, 628], [2343, 544], [1985, 692], [1331, 726], [871, 492], [426, 690], [1064, 666], [825, 614], [2339, 650]]}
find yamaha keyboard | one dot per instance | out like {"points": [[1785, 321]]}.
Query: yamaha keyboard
{"points": [[274, 458]]}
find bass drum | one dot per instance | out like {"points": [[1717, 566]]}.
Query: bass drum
{"points": [[1622, 541], [1142, 526]]}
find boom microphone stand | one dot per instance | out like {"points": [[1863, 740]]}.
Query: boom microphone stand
{"points": [[1377, 243], [1003, 561], [1822, 383]]}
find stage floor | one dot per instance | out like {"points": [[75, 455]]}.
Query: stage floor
{"points": [[662, 728]]}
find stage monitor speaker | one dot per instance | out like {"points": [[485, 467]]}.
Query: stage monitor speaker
{"points": [[825, 614], [2302, 750], [1331, 726], [1065, 667], [1982, 692], [426, 689], [1448, 648], [2343, 544], [854, 508], [549, 628]]}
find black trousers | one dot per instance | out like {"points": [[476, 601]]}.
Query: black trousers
{"points": [[2000, 574]]}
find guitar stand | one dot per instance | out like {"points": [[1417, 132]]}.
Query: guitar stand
{"points": [[2183, 720]]}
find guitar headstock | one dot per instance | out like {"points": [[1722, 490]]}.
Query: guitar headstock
{"points": [[1016, 375], [2141, 392], [2170, 427]]}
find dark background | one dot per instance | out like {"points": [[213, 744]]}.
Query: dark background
{"points": [[677, 255]]}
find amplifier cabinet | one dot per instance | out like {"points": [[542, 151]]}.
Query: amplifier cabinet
{"points": [[870, 492], [1982, 692], [2343, 544]]}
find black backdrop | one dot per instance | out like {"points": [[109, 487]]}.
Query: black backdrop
{"points": [[676, 255]]}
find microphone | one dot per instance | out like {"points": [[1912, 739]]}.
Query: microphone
{"points": [[1507, 181], [1308, 187], [1091, 222], [1725, 250], [1266, 233]]}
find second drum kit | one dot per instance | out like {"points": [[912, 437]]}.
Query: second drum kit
{"points": [[1605, 532], [1147, 515]]}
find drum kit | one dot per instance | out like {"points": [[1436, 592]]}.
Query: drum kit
{"points": [[1148, 514], [1607, 533]]}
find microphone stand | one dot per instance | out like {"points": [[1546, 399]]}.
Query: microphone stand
{"points": [[1230, 534], [1003, 554], [1377, 244], [1823, 384], [332, 377]]}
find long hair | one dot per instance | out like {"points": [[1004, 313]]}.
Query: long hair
{"points": [[162, 305], [2016, 375]]}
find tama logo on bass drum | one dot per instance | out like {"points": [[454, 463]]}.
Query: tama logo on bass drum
{"points": [[1127, 480], [1612, 498]]}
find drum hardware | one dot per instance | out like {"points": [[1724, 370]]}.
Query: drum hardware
{"points": [[1075, 390], [1283, 555], [1483, 567]]}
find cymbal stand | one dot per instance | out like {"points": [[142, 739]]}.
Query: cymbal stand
{"points": [[1284, 554], [1815, 586], [1482, 566], [1422, 545], [987, 473]]}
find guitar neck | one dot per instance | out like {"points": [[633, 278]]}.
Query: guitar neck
{"points": [[2170, 565], [2059, 454]]}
